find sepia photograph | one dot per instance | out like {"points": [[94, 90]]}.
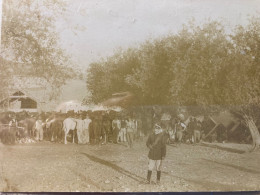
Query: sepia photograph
{"points": [[129, 96]]}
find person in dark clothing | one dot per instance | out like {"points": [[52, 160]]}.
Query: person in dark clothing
{"points": [[91, 132], [116, 126], [197, 131], [10, 134], [97, 130], [190, 129], [157, 144], [106, 129]]}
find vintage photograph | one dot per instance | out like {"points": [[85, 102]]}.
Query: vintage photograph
{"points": [[129, 95]]}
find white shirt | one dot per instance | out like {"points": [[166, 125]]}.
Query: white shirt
{"points": [[116, 123], [38, 124]]}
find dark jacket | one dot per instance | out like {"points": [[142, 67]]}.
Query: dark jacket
{"points": [[157, 145]]}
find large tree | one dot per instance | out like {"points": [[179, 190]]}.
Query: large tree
{"points": [[107, 77], [244, 77], [152, 77], [30, 42], [221, 71], [201, 67]]}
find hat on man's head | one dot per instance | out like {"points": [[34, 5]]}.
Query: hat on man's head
{"points": [[157, 129], [157, 126]]}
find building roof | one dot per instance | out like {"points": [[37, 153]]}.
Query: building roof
{"points": [[24, 93], [39, 90]]}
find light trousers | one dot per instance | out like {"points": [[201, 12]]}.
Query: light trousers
{"points": [[154, 163]]}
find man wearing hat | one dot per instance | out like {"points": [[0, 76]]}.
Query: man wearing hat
{"points": [[157, 144], [13, 121], [39, 129], [11, 134]]}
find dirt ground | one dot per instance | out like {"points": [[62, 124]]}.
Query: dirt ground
{"points": [[46, 166]]}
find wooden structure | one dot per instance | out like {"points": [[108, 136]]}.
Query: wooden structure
{"points": [[19, 101]]}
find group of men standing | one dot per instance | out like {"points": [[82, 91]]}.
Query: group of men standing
{"points": [[179, 132], [120, 129], [129, 129], [37, 132], [126, 129], [194, 130]]}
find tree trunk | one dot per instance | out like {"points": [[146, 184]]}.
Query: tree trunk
{"points": [[254, 132]]}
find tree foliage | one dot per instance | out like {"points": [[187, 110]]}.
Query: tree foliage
{"points": [[30, 41], [201, 65]]}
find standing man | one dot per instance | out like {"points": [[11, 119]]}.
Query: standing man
{"points": [[190, 129], [97, 129], [87, 122], [13, 122], [39, 129], [116, 126], [157, 144], [106, 128], [91, 131], [197, 129], [130, 129], [123, 130], [179, 132], [11, 135], [139, 126]]}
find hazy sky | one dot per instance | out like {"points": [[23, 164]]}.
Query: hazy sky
{"points": [[111, 24], [106, 25]]}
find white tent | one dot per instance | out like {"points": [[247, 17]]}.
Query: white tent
{"points": [[64, 107]]}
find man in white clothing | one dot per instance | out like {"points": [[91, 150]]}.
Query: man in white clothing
{"points": [[39, 129]]}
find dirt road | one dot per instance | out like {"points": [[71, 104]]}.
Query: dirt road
{"points": [[46, 166]]}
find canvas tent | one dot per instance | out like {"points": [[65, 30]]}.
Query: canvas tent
{"points": [[124, 100]]}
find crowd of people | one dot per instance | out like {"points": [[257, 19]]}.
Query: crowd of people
{"points": [[116, 129], [191, 132], [99, 127], [90, 128], [104, 127]]}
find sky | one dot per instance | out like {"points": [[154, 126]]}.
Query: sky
{"points": [[105, 26]]}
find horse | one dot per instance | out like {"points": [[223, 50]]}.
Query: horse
{"points": [[69, 124], [96, 130], [56, 127], [28, 124], [48, 129]]}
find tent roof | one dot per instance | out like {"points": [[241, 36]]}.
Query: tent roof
{"points": [[123, 99]]}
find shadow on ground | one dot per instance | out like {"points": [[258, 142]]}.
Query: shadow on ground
{"points": [[87, 180], [206, 185], [224, 148], [114, 167], [234, 166]]}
